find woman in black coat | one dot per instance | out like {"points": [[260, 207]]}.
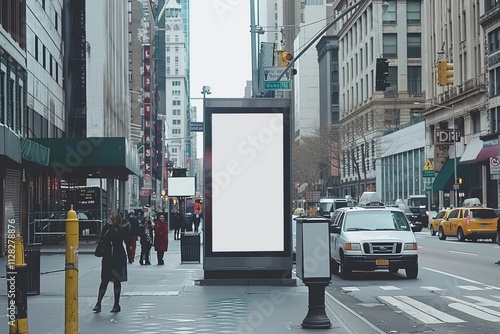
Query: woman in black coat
{"points": [[114, 264], [146, 235]]}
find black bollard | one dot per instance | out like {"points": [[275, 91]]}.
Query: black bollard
{"points": [[316, 316]]}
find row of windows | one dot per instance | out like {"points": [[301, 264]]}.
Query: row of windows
{"points": [[12, 101], [358, 157], [413, 12], [176, 83], [13, 20], [413, 45], [494, 40], [176, 49], [361, 90], [48, 62]]}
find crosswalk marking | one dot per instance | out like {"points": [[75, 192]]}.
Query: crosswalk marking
{"points": [[484, 301], [474, 309], [431, 288], [349, 288], [420, 311], [470, 287], [389, 287]]}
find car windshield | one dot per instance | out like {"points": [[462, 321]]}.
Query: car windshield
{"points": [[376, 220]]}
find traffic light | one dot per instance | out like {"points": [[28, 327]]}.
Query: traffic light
{"points": [[445, 73], [459, 180], [284, 58], [381, 73]]}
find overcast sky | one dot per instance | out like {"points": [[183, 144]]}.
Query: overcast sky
{"points": [[220, 48]]}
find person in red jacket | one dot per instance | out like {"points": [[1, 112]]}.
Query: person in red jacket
{"points": [[160, 238]]}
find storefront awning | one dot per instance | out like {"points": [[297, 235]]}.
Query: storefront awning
{"points": [[490, 149], [472, 150], [81, 157], [34, 152], [445, 179]]}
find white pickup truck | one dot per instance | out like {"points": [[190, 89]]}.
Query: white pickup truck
{"points": [[370, 237]]}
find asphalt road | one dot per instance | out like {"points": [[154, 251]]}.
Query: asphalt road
{"points": [[457, 290]]}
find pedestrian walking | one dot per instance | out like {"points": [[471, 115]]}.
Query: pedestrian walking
{"points": [[134, 233], [197, 219], [113, 264], [177, 223], [160, 238], [146, 240]]}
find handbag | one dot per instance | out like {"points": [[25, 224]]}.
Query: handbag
{"points": [[103, 247]]}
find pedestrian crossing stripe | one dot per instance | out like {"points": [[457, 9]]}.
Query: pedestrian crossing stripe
{"points": [[475, 310], [422, 312]]}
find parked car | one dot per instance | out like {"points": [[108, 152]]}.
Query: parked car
{"points": [[414, 216], [370, 237], [437, 219], [471, 222]]}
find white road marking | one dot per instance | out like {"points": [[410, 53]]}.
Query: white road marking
{"points": [[462, 278], [431, 288], [470, 287], [463, 253], [389, 287], [485, 301], [350, 288], [421, 311]]}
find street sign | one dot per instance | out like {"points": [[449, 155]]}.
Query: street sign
{"points": [[277, 85], [271, 73], [196, 126], [456, 186], [428, 165], [428, 173]]}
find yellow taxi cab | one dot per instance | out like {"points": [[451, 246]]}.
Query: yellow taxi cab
{"points": [[438, 218], [471, 221]]}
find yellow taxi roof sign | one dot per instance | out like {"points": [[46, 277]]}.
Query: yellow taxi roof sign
{"points": [[428, 165]]}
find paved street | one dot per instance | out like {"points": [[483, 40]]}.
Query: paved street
{"points": [[163, 299]]}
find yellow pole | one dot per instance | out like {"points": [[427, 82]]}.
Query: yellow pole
{"points": [[17, 283], [71, 282]]}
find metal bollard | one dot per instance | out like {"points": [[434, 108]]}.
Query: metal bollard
{"points": [[71, 281], [17, 284]]}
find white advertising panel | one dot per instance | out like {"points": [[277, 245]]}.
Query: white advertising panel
{"points": [[181, 186], [247, 182]]}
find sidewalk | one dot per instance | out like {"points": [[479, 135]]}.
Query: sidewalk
{"points": [[163, 299]]}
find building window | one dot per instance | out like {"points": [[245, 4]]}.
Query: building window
{"points": [[390, 47], [56, 20], [475, 121], [129, 37], [389, 16], [176, 102], [176, 131], [36, 48], [50, 64], [413, 12], [494, 40], [414, 80], [176, 122], [130, 57], [414, 46], [495, 119], [44, 58]]}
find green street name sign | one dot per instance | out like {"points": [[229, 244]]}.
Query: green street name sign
{"points": [[429, 173], [277, 85]]}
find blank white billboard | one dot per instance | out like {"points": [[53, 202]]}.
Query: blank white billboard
{"points": [[181, 186], [247, 182]]}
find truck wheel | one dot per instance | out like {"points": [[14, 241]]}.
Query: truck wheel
{"points": [[412, 271]]}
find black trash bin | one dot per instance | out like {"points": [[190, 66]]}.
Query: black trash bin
{"points": [[190, 247], [32, 260]]}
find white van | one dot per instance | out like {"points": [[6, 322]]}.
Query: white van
{"points": [[328, 205]]}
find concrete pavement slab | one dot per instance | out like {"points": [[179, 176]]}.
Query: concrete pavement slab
{"points": [[162, 299]]}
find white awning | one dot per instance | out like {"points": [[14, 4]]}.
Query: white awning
{"points": [[472, 150]]}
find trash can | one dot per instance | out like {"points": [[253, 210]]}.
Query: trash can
{"points": [[190, 247], [32, 260]]}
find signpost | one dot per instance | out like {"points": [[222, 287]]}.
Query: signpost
{"points": [[271, 75], [428, 169], [196, 126]]}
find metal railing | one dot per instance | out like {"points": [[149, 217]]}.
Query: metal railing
{"points": [[42, 230]]}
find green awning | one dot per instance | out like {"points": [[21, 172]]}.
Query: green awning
{"points": [[34, 152], [445, 178], [80, 157]]}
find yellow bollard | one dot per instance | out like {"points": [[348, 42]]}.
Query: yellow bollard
{"points": [[17, 284], [71, 282]]}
